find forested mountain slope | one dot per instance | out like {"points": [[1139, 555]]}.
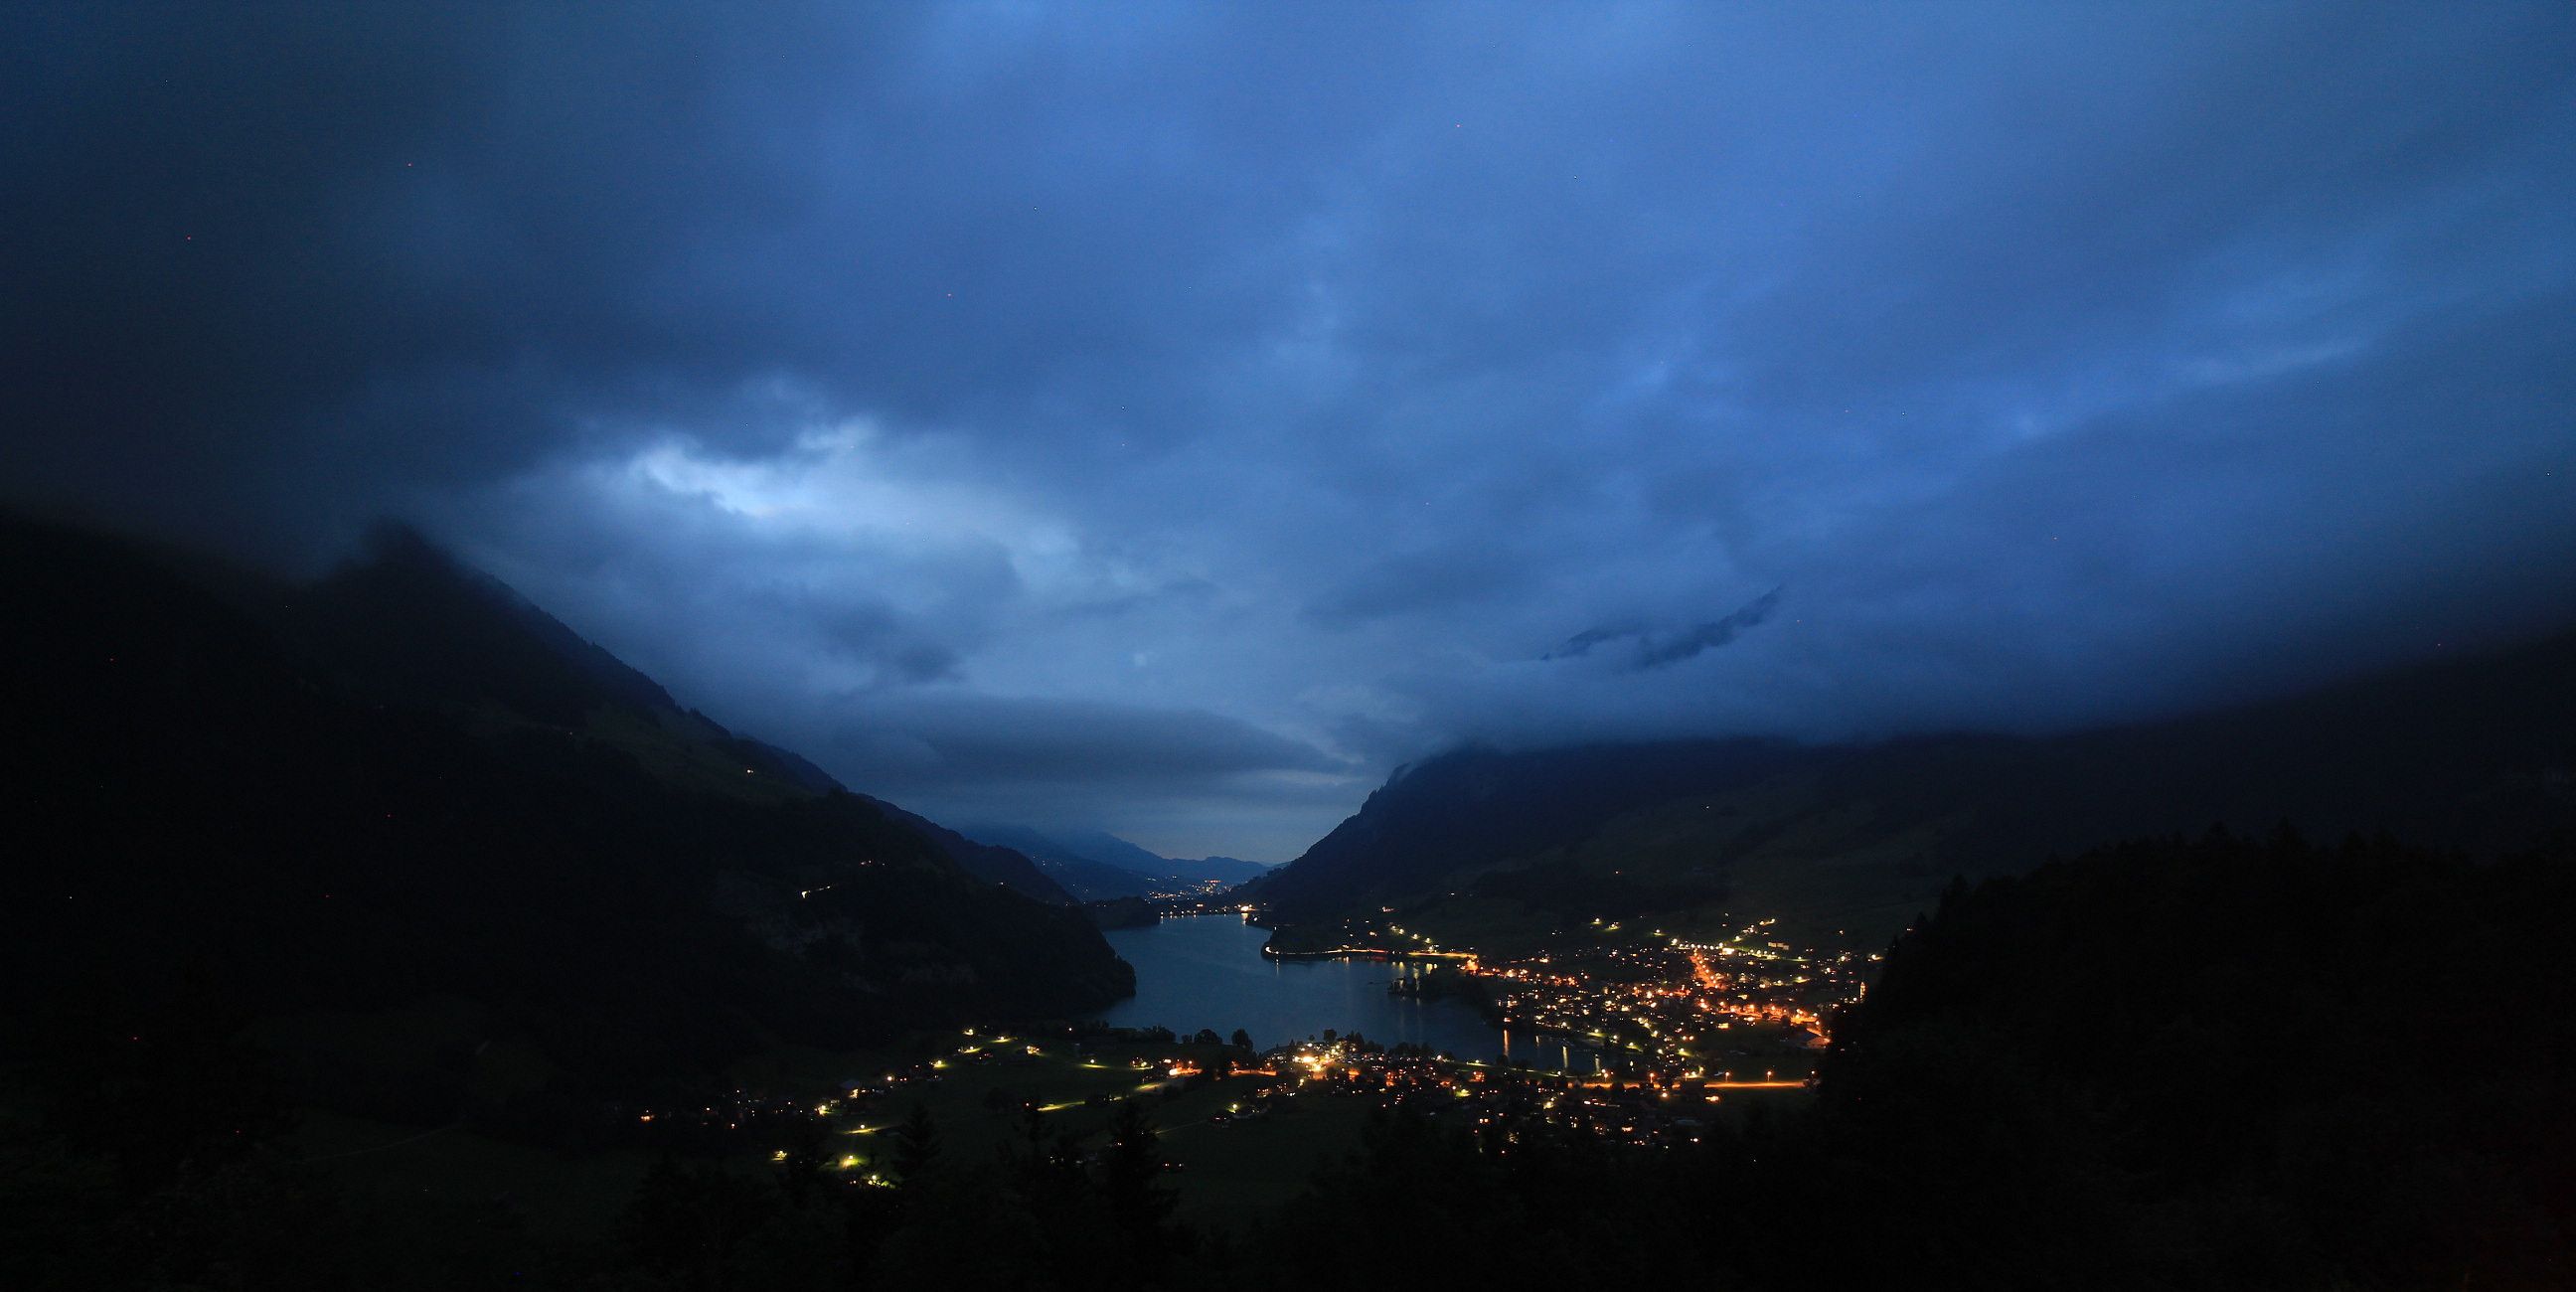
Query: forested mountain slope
{"points": [[404, 785], [2476, 754]]}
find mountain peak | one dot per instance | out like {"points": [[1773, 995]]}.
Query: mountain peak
{"points": [[414, 623]]}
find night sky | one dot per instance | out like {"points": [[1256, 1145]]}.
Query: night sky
{"points": [[1171, 419]]}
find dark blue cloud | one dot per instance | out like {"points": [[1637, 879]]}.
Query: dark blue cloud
{"points": [[1652, 648], [1241, 393]]}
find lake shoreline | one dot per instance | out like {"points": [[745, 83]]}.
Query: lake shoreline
{"points": [[1214, 971]]}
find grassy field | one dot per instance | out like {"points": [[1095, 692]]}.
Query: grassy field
{"points": [[1232, 1170], [1244, 1169], [1229, 1168], [451, 1172], [438, 1177], [439, 1184]]}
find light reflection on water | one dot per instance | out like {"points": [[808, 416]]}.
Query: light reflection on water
{"points": [[1207, 971]]}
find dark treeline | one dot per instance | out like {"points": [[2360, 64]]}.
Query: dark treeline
{"points": [[2225, 1063]]}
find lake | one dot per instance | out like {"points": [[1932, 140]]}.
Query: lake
{"points": [[1207, 971]]}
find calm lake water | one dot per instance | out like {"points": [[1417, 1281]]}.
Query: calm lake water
{"points": [[1208, 971]]}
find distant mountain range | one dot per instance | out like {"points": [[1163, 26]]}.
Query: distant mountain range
{"points": [[240, 803], [2477, 755], [1096, 866]]}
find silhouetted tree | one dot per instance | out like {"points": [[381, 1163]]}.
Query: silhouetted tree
{"points": [[916, 1147], [1130, 1181], [801, 1171], [687, 1223]]}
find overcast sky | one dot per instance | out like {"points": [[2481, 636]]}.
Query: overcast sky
{"points": [[1170, 419]]}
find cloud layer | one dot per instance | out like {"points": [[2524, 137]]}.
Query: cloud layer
{"points": [[1170, 418]]}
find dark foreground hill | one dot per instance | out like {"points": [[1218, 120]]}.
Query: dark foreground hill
{"points": [[2230, 1062], [2477, 754], [2217, 1063], [410, 625], [405, 785]]}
